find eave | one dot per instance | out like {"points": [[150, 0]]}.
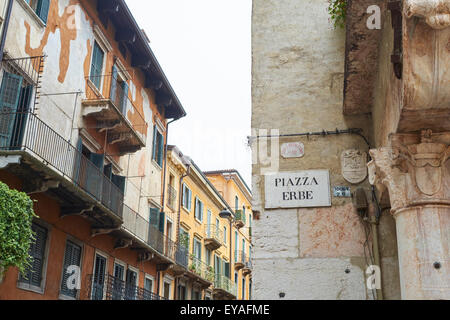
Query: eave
{"points": [[132, 37]]}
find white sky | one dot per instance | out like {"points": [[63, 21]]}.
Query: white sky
{"points": [[204, 48]]}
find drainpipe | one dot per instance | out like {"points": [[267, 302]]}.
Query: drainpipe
{"points": [[5, 28]]}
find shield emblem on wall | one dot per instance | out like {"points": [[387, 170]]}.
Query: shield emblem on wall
{"points": [[354, 165]]}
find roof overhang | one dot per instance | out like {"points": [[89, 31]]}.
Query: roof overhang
{"points": [[134, 39]]}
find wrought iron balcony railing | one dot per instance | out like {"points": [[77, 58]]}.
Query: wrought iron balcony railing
{"points": [[141, 228], [108, 88], [113, 288], [201, 269], [240, 257], [224, 283], [25, 132], [240, 218], [182, 256]]}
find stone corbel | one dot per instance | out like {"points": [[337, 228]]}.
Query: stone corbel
{"points": [[145, 256], [436, 13], [40, 186], [5, 161], [123, 243]]}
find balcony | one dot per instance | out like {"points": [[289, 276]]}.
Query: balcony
{"points": [[224, 288], [239, 260], [115, 113], [117, 289], [213, 237], [247, 269], [200, 271], [46, 162], [240, 219], [137, 232], [172, 197]]}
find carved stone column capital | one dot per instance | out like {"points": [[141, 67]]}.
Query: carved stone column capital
{"points": [[435, 12], [413, 169]]}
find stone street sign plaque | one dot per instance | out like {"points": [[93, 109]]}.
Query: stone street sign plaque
{"points": [[292, 150], [354, 165], [301, 189]]}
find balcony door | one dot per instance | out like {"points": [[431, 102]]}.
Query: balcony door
{"points": [[131, 285], [118, 283], [98, 280]]}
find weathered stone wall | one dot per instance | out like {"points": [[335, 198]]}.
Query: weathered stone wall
{"points": [[297, 83]]}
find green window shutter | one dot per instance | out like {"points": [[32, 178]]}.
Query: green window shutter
{"points": [[119, 181], [72, 256], [183, 201], [42, 9], [189, 199], [9, 100], [154, 143], [96, 65], [161, 221], [113, 89], [161, 149], [154, 217], [124, 98], [236, 249]]}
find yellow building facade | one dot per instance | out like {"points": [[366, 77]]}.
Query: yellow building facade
{"points": [[207, 253]]}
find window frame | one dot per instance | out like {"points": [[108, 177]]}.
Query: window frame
{"points": [[29, 287], [156, 148], [102, 72], [202, 206], [189, 199], [79, 243]]}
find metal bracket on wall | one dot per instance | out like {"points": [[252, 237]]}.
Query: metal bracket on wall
{"points": [[397, 20]]}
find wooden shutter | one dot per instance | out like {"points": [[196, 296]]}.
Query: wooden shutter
{"points": [[72, 256], [99, 278], [124, 98], [9, 100], [112, 92], [42, 9], [33, 275], [161, 221], [161, 149], [154, 143]]}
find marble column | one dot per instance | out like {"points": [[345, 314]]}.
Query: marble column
{"points": [[416, 171]]}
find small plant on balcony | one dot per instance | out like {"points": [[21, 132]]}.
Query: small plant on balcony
{"points": [[337, 10], [16, 235]]}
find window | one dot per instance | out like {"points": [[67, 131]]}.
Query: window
{"points": [[97, 65], [98, 281], [33, 276], [166, 288], [225, 235], [243, 288], [131, 284], [236, 202], [158, 146], [72, 257], [184, 238], [236, 237], [181, 292], [148, 284], [40, 7], [197, 249], [187, 198], [208, 256], [198, 209]]}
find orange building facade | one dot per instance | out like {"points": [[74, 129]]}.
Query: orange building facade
{"points": [[84, 108]]}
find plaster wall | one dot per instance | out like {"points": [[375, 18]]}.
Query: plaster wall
{"points": [[297, 86]]}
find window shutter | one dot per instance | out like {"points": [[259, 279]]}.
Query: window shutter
{"points": [[184, 196], [124, 98], [119, 181], [33, 275], [72, 256], [42, 9], [161, 150], [154, 143], [9, 100], [112, 93], [154, 217], [161, 221], [189, 199]]}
